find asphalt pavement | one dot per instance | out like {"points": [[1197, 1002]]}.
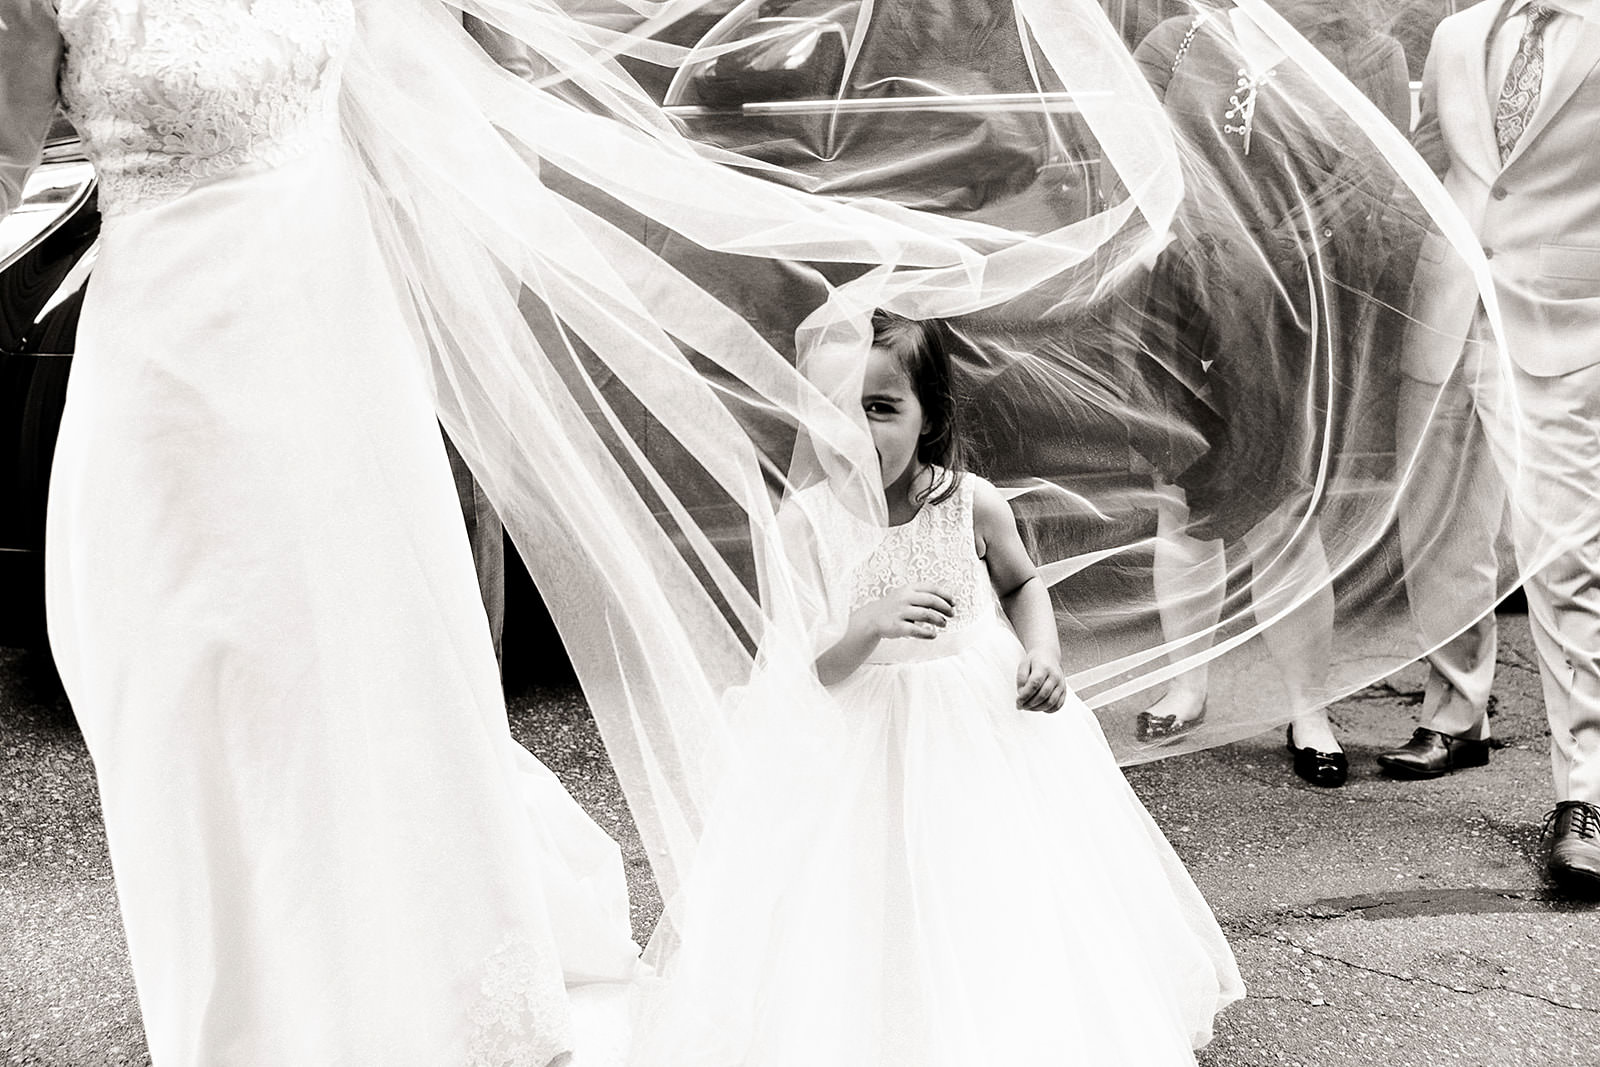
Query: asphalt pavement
{"points": [[1384, 924]]}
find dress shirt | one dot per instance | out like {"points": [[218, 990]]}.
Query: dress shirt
{"points": [[1560, 38]]}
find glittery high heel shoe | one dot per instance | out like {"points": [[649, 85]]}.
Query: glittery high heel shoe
{"points": [[1148, 727]]}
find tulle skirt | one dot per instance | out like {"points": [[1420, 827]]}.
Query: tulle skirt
{"points": [[327, 847], [944, 880]]}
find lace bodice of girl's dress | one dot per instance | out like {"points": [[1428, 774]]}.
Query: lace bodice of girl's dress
{"points": [[936, 547], [169, 94]]}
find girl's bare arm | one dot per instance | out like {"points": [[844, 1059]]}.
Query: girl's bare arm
{"points": [[1024, 598]]}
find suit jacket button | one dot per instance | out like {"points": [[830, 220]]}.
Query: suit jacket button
{"points": [[1498, 192], [1488, 253]]}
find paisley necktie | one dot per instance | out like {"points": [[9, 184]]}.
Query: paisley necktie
{"points": [[1520, 93]]}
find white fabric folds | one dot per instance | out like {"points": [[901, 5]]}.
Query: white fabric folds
{"points": [[647, 330]]}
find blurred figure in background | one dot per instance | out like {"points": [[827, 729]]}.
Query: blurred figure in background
{"points": [[1270, 412]]}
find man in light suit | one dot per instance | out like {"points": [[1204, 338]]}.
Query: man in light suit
{"points": [[1511, 122]]}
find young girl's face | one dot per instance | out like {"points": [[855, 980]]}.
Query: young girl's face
{"points": [[894, 415]]}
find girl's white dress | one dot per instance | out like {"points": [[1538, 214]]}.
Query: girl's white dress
{"points": [[327, 847], [922, 875]]}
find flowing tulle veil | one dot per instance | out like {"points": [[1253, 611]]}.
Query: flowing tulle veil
{"points": [[644, 344]]}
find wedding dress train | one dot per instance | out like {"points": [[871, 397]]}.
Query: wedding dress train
{"points": [[327, 847]]}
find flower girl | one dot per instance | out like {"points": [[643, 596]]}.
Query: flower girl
{"points": [[937, 871]]}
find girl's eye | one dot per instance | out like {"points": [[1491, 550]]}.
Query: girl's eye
{"points": [[879, 408]]}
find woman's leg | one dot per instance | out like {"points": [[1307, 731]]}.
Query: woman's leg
{"points": [[1190, 578], [1293, 601]]}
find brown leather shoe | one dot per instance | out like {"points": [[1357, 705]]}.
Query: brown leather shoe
{"points": [[1574, 832], [1430, 753]]}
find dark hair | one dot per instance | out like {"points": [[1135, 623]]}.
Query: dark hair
{"points": [[922, 349]]}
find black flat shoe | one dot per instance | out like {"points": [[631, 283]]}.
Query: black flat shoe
{"points": [[1327, 769], [1148, 727]]}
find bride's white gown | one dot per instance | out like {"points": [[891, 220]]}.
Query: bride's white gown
{"points": [[327, 847]]}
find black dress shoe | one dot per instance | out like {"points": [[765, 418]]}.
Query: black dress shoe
{"points": [[1148, 727], [1327, 769], [1574, 832], [1430, 753]]}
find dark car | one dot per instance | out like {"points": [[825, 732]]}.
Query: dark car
{"points": [[47, 248], [802, 84]]}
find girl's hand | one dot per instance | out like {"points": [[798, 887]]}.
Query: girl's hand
{"points": [[1040, 683], [912, 611]]}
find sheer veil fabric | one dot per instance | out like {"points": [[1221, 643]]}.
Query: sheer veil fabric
{"points": [[1177, 260], [645, 335], [629, 398]]}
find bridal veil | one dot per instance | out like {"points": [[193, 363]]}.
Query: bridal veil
{"points": [[647, 323]]}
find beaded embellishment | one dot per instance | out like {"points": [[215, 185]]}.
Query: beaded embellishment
{"points": [[1242, 104]]}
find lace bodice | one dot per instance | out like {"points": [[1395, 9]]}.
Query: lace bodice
{"points": [[936, 547], [168, 94]]}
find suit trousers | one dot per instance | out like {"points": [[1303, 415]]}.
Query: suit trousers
{"points": [[486, 534], [1489, 436]]}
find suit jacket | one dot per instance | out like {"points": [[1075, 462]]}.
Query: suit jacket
{"points": [[30, 52], [1537, 216]]}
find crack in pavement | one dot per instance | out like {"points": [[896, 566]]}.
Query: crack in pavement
{"points": [[1437, 900], [1407, 976], [1363, 1010]]}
